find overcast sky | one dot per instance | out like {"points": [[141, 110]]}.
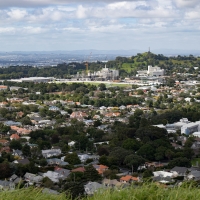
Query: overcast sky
{"points": [[29, 25]]}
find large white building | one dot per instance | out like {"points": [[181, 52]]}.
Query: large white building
{"points": [[107, 74], [190, 128], [34, 79], [151, 71]]}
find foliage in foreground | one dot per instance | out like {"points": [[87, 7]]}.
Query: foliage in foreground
{"points": [[30, 194], [151, 192], [188, 191]]}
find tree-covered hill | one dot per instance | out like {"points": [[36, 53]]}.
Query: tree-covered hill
{"points": [[127, 66]]}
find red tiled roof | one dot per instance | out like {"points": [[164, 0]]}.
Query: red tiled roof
{"points": [[79, 169], [128, 178], [14, 136]]}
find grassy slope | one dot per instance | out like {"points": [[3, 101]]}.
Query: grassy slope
{"points": [[150, 192], [29, 194], [147, 192]]}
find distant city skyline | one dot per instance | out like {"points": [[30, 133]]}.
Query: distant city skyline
{"points": [[51, 25]]}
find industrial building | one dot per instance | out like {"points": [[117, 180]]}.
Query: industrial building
{"points": [[151, 71], [103, 75]]}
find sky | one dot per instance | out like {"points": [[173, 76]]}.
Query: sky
{"points": [[50, 25]]}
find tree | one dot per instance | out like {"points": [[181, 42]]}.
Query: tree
{"points": [[119, 154], [47, 182], [151, 133], [4, 128], [180, 162], [26, 121], [91, 174], [72, 158], [5, 170], [147, 174], [26, 150], [102, 86], [169, 154], [104, 160], [134, 161], [103, 151], [74, 189], [15, 144], [146, 151], [55, 138], [134, 120], [131, 144]]}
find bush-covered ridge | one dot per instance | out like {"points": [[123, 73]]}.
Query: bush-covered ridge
{"points": [[146, 192]]}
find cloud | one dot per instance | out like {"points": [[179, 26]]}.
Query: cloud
{"points": [[187, 3], [37, 3], [88, 22], [16, 14], [7, 30]]}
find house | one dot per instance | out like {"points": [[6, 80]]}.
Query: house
{"points": [[4, 142], [22, 161], [56, 161], [54, 108], [32, 178], [129, 179], [78, 115], [79, 169], [62, 171], [21, 131], [17, 152], [194, 175], [7, 185], [163, 177], [100, 168], [83, 157], [15, 179], [50, 191], [3, 104], [89, 122], [3, 87], [5, 149], [112, 114], [71, 144], [14, 137], [51, 152], [179, 171], [112, 183], [54, 176], [12, 123], [92, 187]]}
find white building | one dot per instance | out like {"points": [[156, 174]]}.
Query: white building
{"points": [[34, 79], [190, 128], [107, 73], [196, 134], [155, 71], [151, 71]]}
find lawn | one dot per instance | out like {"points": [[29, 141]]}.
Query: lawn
{"points": [[196, 162], [128, 67]]}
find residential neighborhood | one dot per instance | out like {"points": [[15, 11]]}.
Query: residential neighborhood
{"points": [[87, 136]]}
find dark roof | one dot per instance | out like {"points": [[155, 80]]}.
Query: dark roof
{"points": [[180, 169], [195, 173], [23, 161], [17, 180], [13, 177]]}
